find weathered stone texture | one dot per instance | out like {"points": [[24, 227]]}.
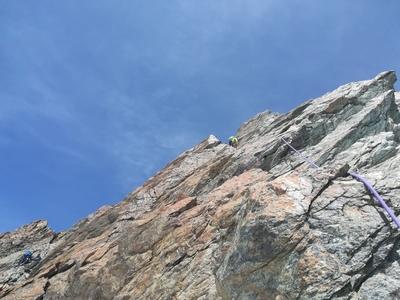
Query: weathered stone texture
{"points": [[256, 222]]}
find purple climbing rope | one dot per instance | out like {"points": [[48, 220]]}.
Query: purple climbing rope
{"points": [[377, 197], [305, 158], [391, 214]]}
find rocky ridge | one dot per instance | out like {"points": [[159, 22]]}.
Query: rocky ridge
{"points": [[256, 222]]}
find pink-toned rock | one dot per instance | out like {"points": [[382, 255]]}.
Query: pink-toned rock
{"points": [[256, 222]]}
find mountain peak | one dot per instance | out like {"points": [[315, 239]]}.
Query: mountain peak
{"points": [[278, 217]]}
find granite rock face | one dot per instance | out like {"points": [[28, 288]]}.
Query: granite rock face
{"points": [[37, 237], [256, 222]]}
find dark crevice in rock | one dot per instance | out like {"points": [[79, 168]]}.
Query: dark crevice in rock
{"points": [[393, 111], [7, 291], [173, 222], [362, 245], [85, 261], [385, 219], [192, 203], [322, 189], [27, 283], [209, 180], [283, 251], [273, 157], [343, 293], [371, 269], [53, 271], [284, 129], [325, 206], [58, 268], [219, 166], [292, 114], [393, 255], [268, 150], [384, 158], [395, 239], [201, 231], [176, 262], [54, 239], [45, 288], [58, 251]]}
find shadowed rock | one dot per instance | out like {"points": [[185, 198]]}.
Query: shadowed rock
{"points": [[256, 222]]}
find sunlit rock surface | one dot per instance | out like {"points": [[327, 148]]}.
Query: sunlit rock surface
{"points": [[256, 222]]}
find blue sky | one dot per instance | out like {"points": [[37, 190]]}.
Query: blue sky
{"points": [[97, 96]]}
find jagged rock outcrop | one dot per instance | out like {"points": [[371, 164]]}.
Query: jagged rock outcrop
{"points": [[256, 222], [37, 237]]}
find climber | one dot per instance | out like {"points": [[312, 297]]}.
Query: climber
{"points": [[233, 141], [38, 257], [33, 262], [26, 258]]}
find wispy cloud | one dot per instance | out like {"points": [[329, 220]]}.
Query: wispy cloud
{"points": [[140, 135], [133, 85]]}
